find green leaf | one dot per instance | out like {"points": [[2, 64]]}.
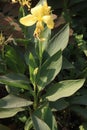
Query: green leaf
{"points": [[28, 124], [54, 124], [39, 124], [49, 118], [12, 101], [3, 127], [14, 59], [30, 49], [22, 41], [44, 112], [32, 67], [15, 80], [30, 32], [59, 41], [59, 105], [67, 64], [5, 113], [85, 52], [46, 35], [50, 69], [63, 89], [12, 90]]}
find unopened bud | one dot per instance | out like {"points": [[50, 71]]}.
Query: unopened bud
{"points": [[35, 71]]}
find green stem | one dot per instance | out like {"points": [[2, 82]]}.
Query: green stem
{"points": [[35, 98], [40, 53]]}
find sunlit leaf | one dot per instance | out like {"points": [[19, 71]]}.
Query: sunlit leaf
{"points": [[50, 69], [15, 80], [39, 124], [5, 113], [59, 41], [12, 101], [63, 89]]}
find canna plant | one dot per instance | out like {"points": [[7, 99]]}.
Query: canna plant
{"points": [[31, 86]]}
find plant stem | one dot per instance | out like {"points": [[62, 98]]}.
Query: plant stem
{"points": [[40, 53], [35, 98]]}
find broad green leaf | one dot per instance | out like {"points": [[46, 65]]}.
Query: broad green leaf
{"points": [[63, 89], [23, 41], [12, 90], [59, 41], [59, 105], [3, 127], [49, 118], [67, 64], [30, 32], [50, 69], [9, 112], [39, 124], [32, 67], [15, 59], [12, 101], [15, 80], [30, 49], [45, 113], [54, 124], [46, 35]]}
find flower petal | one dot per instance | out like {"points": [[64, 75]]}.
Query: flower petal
{"points": [[37, 11], [49, 21], [28, 20]]}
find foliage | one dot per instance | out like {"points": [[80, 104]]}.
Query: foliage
{"points": [[42, 77]]}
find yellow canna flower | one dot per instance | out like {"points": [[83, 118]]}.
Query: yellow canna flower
{"points": [[40, 14], [23, 2]]}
